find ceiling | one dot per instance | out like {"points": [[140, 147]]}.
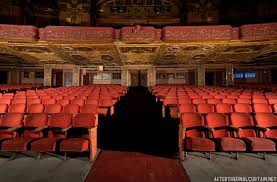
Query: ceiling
{"points": [[157, 53]]}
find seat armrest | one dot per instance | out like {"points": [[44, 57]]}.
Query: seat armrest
{"points": [[14, 128], [262, 128], [197, 127], [66, 129], [235, 128], [40, 129]]}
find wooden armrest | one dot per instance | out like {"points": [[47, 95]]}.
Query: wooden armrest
{"points": [[14, 128], [66, 129], [40, 129]]}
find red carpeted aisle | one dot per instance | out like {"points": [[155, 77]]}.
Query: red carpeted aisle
{"points": [[116, 166]]}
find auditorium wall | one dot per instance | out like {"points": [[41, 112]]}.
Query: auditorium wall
{"points": [[256, 76]]}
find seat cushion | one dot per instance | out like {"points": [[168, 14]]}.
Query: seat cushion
{"points": [[231, 144], [17, 144], [199, 144], [74, 145], [259, 144], [44, 145]]}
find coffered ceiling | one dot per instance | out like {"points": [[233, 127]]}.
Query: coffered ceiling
{"points": [[157, 53]]}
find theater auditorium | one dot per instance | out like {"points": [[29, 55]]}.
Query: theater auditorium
{"points": [[138, 90]]}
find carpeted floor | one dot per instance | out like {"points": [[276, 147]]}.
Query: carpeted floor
{"points": [[137, 143], [116, 166]]}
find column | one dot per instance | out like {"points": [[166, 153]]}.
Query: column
{"points": [[47, 76], [151, 76], [229, 75], [201, 75], [76, 76], [124, 76]]}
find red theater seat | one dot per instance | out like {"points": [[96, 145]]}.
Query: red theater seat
{"points": [[3, 108], [187, 108], [192, 134], [48, 101], [198, 101], [58, 125], [35, 108], [63, 102], [79, 102], [88, 108], [33, 126], [82, 142], [17, 108], [5, 101], [246, 108], [9, 125], [224, 108], [53, 108], [220, 130], [205, 108], [71, 109], [267, 123], [262, 108], [246, 131], [213, 101]]}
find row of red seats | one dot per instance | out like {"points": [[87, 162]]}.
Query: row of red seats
{"points": [[227, 108], [101, 102], [13, 87], [218, 132], [49, 108], [42, 133], [173, 100]]}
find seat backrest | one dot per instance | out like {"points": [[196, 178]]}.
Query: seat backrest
{"points": [[84, 120], [229, 101], [35, 108], [213, 101], [198, 101], [71, 109], [52, 108], [49, 101], [246, 108], [244, 101], [79, 102], [216, 120], [33, 121], [243, 120], [105, 102], [191, 120], [267, 120], [3, 108], [184, 101], [17, 108], [5, 101], [92, 101], [11, 120], [63, 102], [223, 108], [205, 108], [187, 108], [89, 108], [272, 101], [59, 120], [259, 101], [33, 101], [262, 108]]}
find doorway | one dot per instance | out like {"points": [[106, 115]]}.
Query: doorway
{"points": [[138, 77], [57, 77], [209, 78], [3, 77]]}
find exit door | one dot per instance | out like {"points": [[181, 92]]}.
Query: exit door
{"points": [[138, 78]]}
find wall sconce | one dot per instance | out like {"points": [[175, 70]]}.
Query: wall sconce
{"points": [[100, 68]]}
